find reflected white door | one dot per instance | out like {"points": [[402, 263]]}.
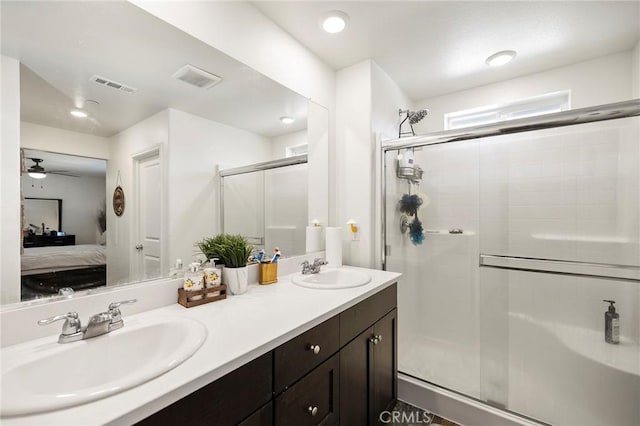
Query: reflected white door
{"points": [[149, 217]]}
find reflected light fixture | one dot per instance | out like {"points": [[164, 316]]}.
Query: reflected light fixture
{"points": [[37, 175], [78, 113], [287, 120], [501, 58], [335, 21]]}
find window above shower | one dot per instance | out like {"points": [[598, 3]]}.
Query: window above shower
{"points": [[522, 108]]}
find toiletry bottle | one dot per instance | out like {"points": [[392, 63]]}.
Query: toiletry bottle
{"points": [[212, 277], [611, 324], [194, 280]]}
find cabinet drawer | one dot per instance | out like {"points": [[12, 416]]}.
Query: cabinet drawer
{"points": [[314, 400], [297, 357], [358, 318]]}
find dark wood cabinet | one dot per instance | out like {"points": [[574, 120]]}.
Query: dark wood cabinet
{"points": [[302, 354], [342, 371], [384, 388], [227, 401], [314, 400], [262, 417], [368, 380]]}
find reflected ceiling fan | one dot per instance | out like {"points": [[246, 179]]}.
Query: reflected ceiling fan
{"points": [[36, 171]]}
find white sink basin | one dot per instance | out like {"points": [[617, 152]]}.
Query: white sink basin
{"points": [[332, 279], [42, 375]]}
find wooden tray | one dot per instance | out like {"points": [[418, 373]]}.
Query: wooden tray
{"points": [[184, 296]]}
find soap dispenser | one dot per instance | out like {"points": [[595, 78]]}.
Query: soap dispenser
{"points": [[611, 324]]}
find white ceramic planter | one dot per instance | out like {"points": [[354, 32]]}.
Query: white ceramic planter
{"points": [[236, 279]]}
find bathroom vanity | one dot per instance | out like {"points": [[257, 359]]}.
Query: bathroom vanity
{"points": [[277, 355], [341, 371]]}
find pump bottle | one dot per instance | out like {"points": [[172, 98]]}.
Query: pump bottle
{"points": [[611, 324]]}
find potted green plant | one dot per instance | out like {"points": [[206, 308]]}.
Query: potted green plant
{"points": [[233, 252]]}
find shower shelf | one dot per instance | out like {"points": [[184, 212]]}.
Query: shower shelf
{"points": [[410, 173]]}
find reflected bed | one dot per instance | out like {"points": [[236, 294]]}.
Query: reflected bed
{"points": [[45, 270]]}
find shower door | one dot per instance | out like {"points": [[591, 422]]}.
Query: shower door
{"points": [[524, 235]]}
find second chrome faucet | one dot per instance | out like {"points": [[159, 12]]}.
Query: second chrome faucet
{"points": [[312, 268], [101, 323]]}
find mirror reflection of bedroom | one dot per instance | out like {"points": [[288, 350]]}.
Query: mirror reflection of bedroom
{"points": [[64, 223]]}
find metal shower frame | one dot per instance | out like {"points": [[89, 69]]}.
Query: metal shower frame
{"points": [[593, 114]]}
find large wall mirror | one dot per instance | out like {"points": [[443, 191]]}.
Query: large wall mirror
{"points": [[105, 85]]}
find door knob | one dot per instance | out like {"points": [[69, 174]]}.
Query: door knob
{"points": [[315, 349], [312, 410], [139, 247], [374, 340]]}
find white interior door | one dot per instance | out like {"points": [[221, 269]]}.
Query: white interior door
{"points": [[148, 245]]}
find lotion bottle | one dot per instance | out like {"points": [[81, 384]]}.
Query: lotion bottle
{"points": [[611, 324], [194, 279]]}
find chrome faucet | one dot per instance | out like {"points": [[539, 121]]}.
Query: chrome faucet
{"points": [[102, 323], [308, 268]]}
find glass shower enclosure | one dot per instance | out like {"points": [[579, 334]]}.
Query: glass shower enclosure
{"points": [[509, 238]]}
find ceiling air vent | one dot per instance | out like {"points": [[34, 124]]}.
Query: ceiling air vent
{"points": [[197, 77], [103, 81]]}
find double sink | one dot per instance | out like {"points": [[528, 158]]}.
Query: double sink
{"points": [[41, 375]]}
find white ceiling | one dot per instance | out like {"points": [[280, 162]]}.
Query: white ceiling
{"points": [[431, 48], [62, 44]]}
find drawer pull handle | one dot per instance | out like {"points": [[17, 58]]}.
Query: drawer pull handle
{"points": [[312, 410], [315, 349], [374, 340], [379, 337]]}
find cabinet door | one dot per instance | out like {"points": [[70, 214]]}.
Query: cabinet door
{"points": [[385, 366], [355, 378], [224, 402], [262, 417]]}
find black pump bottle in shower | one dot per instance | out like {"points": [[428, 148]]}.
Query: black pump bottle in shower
{"points": [[611, 324]]}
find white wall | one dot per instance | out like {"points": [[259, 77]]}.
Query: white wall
{"points": [[82, 198], [10, 233], [51, 139], [367, 103], [151, 132], [279, 144], [244, 33], [635, 74], [594, 82], [197, 148], [354, 160]]}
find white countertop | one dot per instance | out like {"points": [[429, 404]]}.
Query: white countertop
{"points": [[240, 328]]}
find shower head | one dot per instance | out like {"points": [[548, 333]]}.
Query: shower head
{"points": [[413, 117], [416, 116]]}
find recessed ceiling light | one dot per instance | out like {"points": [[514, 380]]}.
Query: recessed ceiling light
{"points": [[501, 58], [287, 120], [334, 21], [79, 114]]}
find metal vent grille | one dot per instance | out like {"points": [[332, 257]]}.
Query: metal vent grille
{"points": [[197, 77], [103, 81]]}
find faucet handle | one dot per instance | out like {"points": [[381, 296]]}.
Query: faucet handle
{"points": [[319, 261], [115, 305], [71, 325], [116, 316]]}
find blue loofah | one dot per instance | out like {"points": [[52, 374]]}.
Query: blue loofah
{"points": [[416, 231]]}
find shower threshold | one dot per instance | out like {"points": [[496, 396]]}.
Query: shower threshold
{"points": [[457, 407]]}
